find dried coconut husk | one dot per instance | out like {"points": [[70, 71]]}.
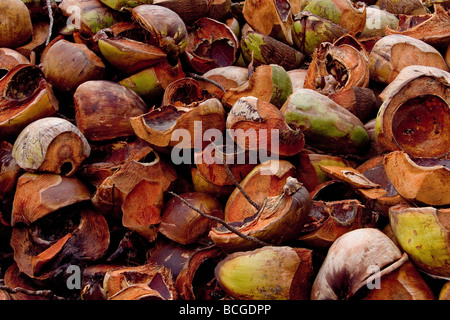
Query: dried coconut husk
{"points": [[103, 109], [188, 10], [107, 158], [424, 180], [201, 184], [154, 280], [273, 173], [404, 283], [128, 55], [165, 26], [117, 194], [13, 278], [38, 40], [70, 235], [184, 92], [279, 220], [415, 113], [157, 126], [37, 195], [337, 67], [210, 44], [151, 83], [25, 96], [373, 169], [430, 28], [10, 58], [185, 225], [63, 59], [270, 17], [394, 52], [9, 170], [228, 77], [92, 281], [211, 163], [328, 220], [352, 261], [51, 144], [411, 7], [259, 49], [260, 125], [268, 273], [192, 267], [270, 83]]}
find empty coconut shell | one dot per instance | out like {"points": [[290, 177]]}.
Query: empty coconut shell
{"points": [[415, 113], [278, 221], [188, 123], [211, 44], [430, 28], [37, 195], [156, 281], [184, 225], [419, 181], [272, 18], [25, 96], [259, 125]]}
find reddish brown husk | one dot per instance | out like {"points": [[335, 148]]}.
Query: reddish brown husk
{"points": [[39, 254], [13, 278], [404, 283], [184, 225], [336, 68], [211, 163], [183, 92], [373, 169], [92, 281], [433, 28], [256, 116], [156, 281], [428, 183], [192, 267], [37, 195], [270, 18], [156, 127], [415, 113], [211, 44], [114, 190], [25, 96], [63, 59], [107, 158], [255, 185], [362, 102], [329, 220], [279, 220], [103, 109], [9, 170]]}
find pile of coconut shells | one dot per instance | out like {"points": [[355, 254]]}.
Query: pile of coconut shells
{"points": [[224, 150]]}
